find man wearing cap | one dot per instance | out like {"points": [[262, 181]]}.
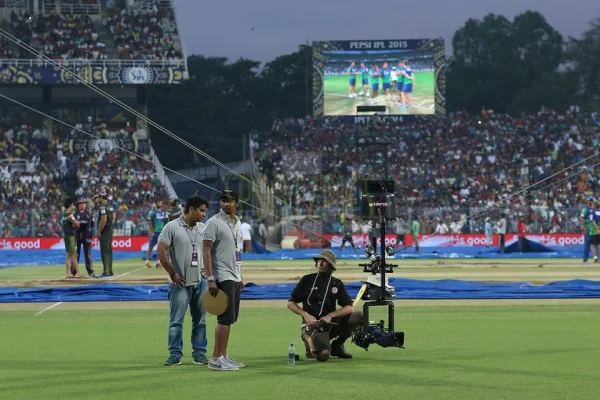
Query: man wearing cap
{"points": [[105, 221], [319, 292], [84, 234], [586, 218], [223, 266]]}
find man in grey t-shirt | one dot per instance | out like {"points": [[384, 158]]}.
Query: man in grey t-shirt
{"points": [[222, 262], [180, 253]]}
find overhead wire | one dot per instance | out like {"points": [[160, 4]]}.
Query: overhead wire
{"points": [[94, 88], [149, 121], [127, 151]]}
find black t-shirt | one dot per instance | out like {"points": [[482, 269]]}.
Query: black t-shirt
{"points": [[311, 293], [85, 221]]}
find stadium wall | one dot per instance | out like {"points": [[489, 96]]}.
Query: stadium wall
{"points": [[140, 243]]}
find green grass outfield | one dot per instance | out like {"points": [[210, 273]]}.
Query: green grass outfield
{"points": [[336, 91], [511, 352], [456, 349]]}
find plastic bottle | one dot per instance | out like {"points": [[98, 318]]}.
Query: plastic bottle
{"points": [[292, 355]]}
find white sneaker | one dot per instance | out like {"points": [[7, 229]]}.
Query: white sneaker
{"points": [[220, 364], [235, 363]]}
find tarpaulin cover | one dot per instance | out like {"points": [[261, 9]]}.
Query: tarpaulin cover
{"points": [[19, 258], [405, 289]]}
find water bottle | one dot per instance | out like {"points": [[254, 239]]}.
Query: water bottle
{"points": [[292, 355]]}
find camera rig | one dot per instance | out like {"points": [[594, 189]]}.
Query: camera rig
{"points": [[378, 205]]}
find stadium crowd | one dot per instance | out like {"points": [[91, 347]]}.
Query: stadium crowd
{"points": [[36, 163], [146, 35], [58, 36], [5, 51], [444, 168]]}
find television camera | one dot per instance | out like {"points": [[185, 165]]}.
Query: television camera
{"points": [[378, 204]]}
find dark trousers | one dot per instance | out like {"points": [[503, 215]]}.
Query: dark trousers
{"points": [[85, 241], [586, 246], [523, 245], [106, 250]]}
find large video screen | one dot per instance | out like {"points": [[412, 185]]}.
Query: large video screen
{"points": [[401, 77]]}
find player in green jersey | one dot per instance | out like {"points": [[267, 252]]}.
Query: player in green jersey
{"points": [[69, 225], [105, 232]]}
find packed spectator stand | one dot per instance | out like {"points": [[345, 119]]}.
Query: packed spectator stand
{"points": [[58, 36], [64, 31], [36, 162], [444, 168], [146, 34]]}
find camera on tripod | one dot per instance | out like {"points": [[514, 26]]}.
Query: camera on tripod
{"points": [[378, 204], [374, 267]]}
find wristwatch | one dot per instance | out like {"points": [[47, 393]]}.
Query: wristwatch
{"points": [[210, 279]]}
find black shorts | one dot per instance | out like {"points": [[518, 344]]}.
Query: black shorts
{"points": [[595, 240], [502, 239], [401, 238], [318, 339], [233, 290]]}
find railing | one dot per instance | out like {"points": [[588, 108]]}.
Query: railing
{"points": [[9, 6], [49, 6], [146, 5], [162, 176], [182, 42], [104, 63], [212, 171], [17, 164]]}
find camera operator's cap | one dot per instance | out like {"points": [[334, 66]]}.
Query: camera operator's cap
{"points": [[229, 194], [328, 256]]}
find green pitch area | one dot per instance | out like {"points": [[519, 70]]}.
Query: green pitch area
{"points": [[336, 91], [456, 349], [116, 351]]}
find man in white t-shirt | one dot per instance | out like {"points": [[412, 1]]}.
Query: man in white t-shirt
{"points": [[246, 236], [441, 227], [501, 229]]}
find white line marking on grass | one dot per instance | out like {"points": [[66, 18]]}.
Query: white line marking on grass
{"points": [[421, 103], [126, 273], [49, 308]]}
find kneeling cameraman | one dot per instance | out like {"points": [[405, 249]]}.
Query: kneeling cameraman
{"points": [[318, 293]]}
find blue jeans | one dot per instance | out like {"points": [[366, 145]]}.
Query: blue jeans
{"points": [[179, 300], [586, 246]]}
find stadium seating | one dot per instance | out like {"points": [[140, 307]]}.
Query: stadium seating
{"points": [[146, 35], [444, 168], [34, 167], [58, 36]]}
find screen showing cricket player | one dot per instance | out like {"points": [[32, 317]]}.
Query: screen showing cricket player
{"points": [[397, 74]]}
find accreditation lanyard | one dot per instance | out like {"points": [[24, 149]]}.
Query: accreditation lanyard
{"points": [[234, 233], [193, 236]]}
